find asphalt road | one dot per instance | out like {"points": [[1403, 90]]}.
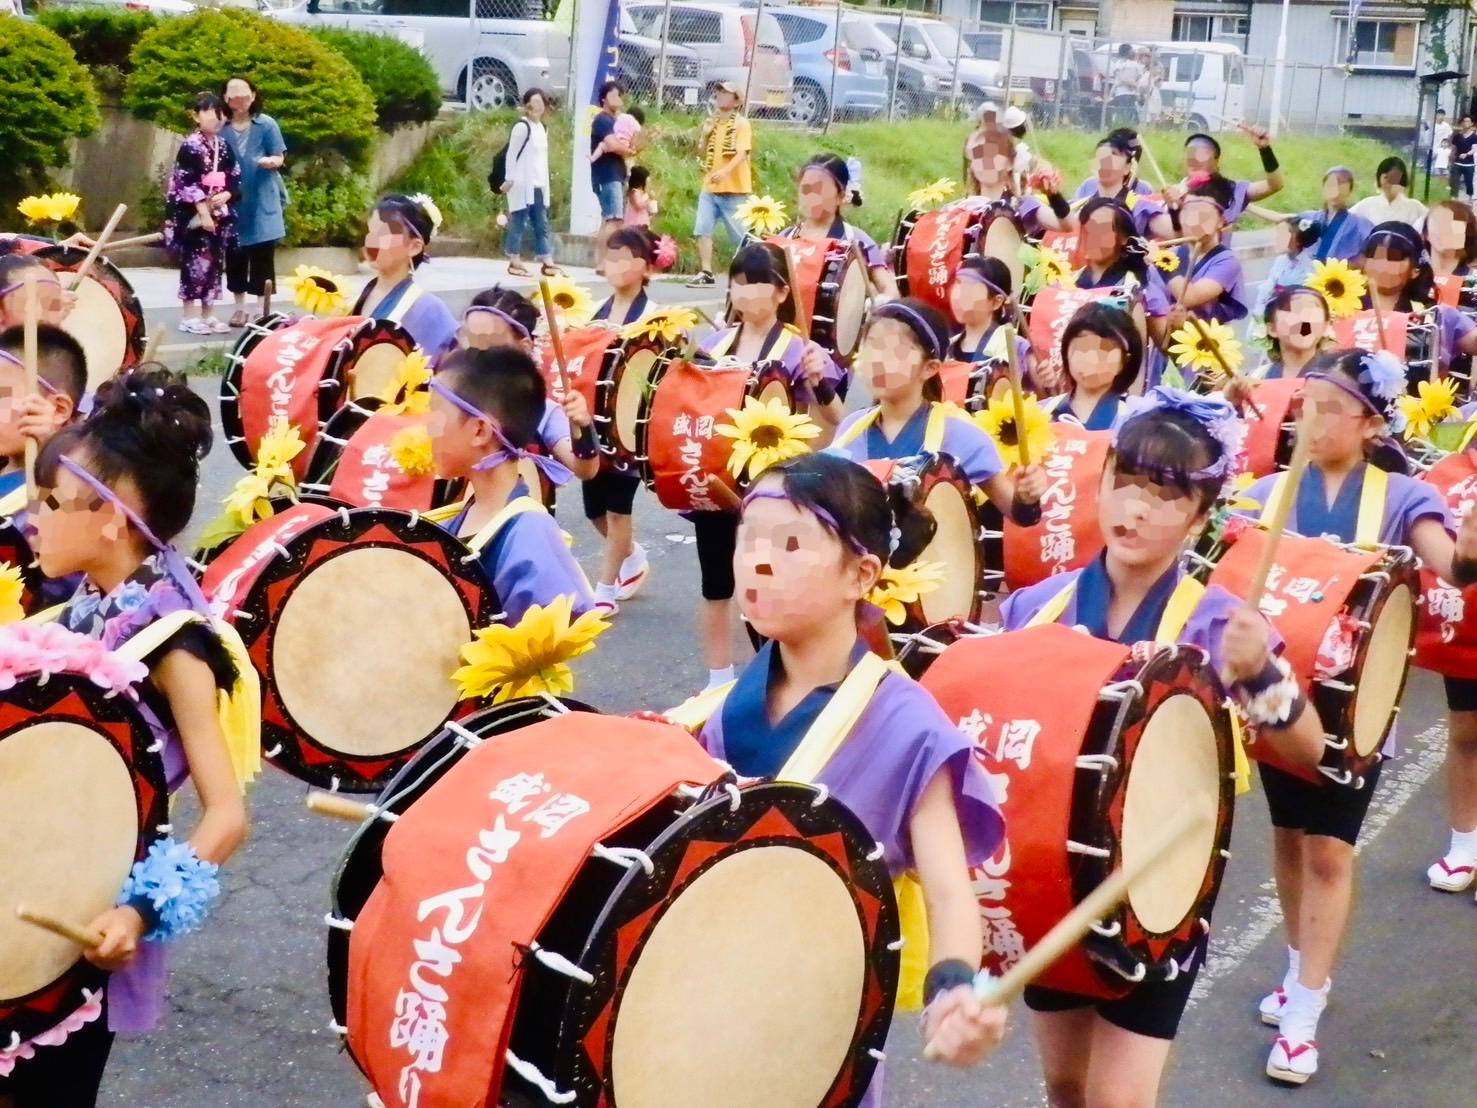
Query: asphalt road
{"points": [[249, 1014]]}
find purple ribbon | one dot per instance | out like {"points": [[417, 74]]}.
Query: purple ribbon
{"points": [[7, 356], [502, 315], [551, 468], [967, 274]]}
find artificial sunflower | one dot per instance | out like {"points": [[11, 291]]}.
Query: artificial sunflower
{"points": [[762, 215], [318, 291], [572, 301], [932, 195], [1435, 400], [1166, 261], [997, 419], [897, 588], [251, 497], [670, 326], [1341, 285], [530, 658], [55, 207], [406, 393], [411, 449], [1044, 267], [1197, 349], [278, 447], [12, 588], [765, 432]]}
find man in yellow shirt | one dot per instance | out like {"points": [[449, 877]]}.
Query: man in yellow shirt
{"points": [[727, 143]]}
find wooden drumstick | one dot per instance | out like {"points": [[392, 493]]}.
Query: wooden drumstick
{"points": [[1278, 523], [1076, 923], [1012, 361], [31, 376], [1154, 167], [269, 288], [136, 240], [556, 340], [802, 316], [151, 347], [85, 937], [97, 246], [339, 807]]}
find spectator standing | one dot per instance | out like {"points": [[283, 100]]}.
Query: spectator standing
{"points": [[527, 187], [199, 224], [641, 205], [1440, 144], [256, 140], [1126, 79], [609, 149], [1391, 204], [727, 143], [1153, 86], [1463, 159]]}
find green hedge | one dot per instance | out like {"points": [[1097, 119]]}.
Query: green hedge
{"points": [[99, 36], [323, 107], [405, 87], [46, 100]]}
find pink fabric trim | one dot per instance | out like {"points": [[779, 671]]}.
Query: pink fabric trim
{"points": [[1293, 1051], [28, 649], [91, 1010], [1453, 871]]}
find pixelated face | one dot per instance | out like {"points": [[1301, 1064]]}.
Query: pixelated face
{"points": [[388, 246], [1337, 189], [1445, 230], [239, 96], [990, 160], [1340, 424], [536, 107], [1111, 166], [485, 331], [755, 301], [791, 574], [624, 270], [891, 361], [1391, 178], [458, 441], [614, 101], [725, 101], [1302, 325], [1387, 268], [820, 196], [1200, 217], [1284, 239], [12, 388], [1093, 361], [1200, 157], [973, 302], [72, 523], [1143, 522], [51, 301], [1100, 242]]}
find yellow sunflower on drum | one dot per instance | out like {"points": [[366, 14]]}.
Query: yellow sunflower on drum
{"points": [[997, 419], [411, 449], [1162, 259], [54, 207], [11, 591], [899, 587], [765, 433], [932, 195], [318, 291], [670, 326], [530, 658], [1211, 349], [762, 215], [1341, 285], [251, 497], [407, 393], [572, 301], [1435, 400]]}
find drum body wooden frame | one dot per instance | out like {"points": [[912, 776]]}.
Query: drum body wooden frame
{"points": [[353, 438], [627, 377], [946, 238]]}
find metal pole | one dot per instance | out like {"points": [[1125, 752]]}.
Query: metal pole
{"points": [[1277, 73], [958, 52], [1063, 73], [835, 65], [1318, 102], [1008, 35], [897, 67], [472, 57], [661, 57], [753, 55]]}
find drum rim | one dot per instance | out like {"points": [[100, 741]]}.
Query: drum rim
{"points": [[607, 388], [326, 456], [151, 796], [1367, 604], [69, 259], [344, 531], [632, 898], [230, 391]]}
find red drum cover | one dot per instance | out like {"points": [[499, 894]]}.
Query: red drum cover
{"points": [[367, 475], [471, 875], [935, 247], [1269, 409], [1051, 311], [1066, 243], [1361, 331], [1068, 535], [281, 379], [234, 570], [1446, 641], [1449, 289], [584, 358], [808, 258], [955, 379]]}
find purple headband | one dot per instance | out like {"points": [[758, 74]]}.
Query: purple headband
{"points": [[1346, 388], [47, 280], [891, 309], [967, 274], [828, 521], [183, 579], [549, 467], [7, 356], [502, 315]]}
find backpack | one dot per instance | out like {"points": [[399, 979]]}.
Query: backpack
{"points": [[498, 175]]}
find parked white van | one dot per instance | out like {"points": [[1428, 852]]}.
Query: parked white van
{"points": [[1204, 81]]}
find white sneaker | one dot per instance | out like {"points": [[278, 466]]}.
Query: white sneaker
{"points": [[193, 327], [1452, 874], [633, 573], [1292, 1062], [1272, 1006]]}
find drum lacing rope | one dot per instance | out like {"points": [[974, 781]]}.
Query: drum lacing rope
{"points": [[466, 738], [534, 1077], [1341, 777], [337, 1028], [164, 828], [1226, 854], [1336, 686], [276, 750], [877, 1054], [555, 703], [987, 533], [1103, 763], [336, 442], [329, 383], [734, 798], [690, 792], [822, 794], [333, 783], [343, 516], [1333, 742], [1138, 974], [415, 518], [198, 567], [876, 853], [339, 923], [627, 856], [1174, 971], [313, 486], [1092, 851], [232, 440], [560, 964], [156, 746], [280, 549], [897, 944], [1106, 932]]}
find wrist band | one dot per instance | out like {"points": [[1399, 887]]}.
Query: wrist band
{"points": [[946, 975], [1271, 704], [1058, 204], [583, 443], [1269, 159], [1264, 680], [176, 885], [146, 911], [1023, 514], [823, 392]]}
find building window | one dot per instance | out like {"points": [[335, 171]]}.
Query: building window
{"points": [[1199, 27], [1017, 13], [1378, 43]]}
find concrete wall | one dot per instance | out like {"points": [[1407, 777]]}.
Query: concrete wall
{"points": [[1150, 20]]}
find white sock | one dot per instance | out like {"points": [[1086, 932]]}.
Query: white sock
{"points": [[1294, 963], [1464, 843], [1304, 1007], [718, 677], [605, 592], [635, 560]]}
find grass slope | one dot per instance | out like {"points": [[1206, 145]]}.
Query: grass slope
{"points": [[896, 159]]}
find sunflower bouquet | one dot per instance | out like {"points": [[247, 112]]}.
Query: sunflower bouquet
{"points": [[1341, 286], [670, 326], [251, 498], [1044, 267], [532, 657], [997, 419], [319, 292], [54, 208], [1433, 405], [765, 433]]}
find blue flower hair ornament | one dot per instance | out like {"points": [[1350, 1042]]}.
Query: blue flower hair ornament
{"points": [[1215, 415], [1382, 380], [172, 888]]}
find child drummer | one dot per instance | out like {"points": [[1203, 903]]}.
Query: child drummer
{"points": [[826, 183], [61, 378]]}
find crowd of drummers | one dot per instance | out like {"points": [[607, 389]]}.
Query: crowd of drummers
{"points": [[1040, 432]]}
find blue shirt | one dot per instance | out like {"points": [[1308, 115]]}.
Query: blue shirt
{"points": [[11, 481], [528, 563], [609, 168], [263, 195]]}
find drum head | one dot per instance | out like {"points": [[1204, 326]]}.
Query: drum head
{"points": [[1177, 763], [851, 307], [632, 385], [374, 368], [692, 963], [1382, 676], [107, 319], [955, 545], [1002, 240], [357, 630], [80, 795]]}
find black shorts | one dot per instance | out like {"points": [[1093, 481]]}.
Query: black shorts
{"points": [[249, 268], [1461, 694], [1153, 1009], [717, 541], [1335, 811], [64, 1076], [609, 491]]}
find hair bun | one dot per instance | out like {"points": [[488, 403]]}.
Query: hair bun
{"points": [[913, 525], [156, 405]]}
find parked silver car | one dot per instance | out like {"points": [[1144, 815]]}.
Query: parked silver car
{"points": [[726, 39]]}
